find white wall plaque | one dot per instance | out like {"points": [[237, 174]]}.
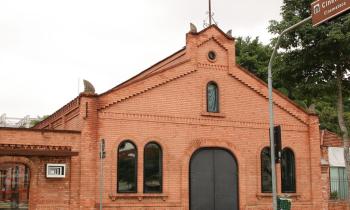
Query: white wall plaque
{"points": [[54, 170]]}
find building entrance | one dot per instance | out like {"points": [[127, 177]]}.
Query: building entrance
{"points": [[213, 180]]}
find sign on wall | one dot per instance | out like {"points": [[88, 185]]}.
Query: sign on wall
{"points": [[323, 10], [55, 170]]}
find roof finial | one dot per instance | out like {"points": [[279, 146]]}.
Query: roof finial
{"points": [[193, 28], [229, 33], [88, 87]]}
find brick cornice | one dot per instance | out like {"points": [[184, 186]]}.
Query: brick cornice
{"points": [[165, 79], [36, 150], [207, 66], [207, 121], [215, 40], [40, 130], [70, 106]]}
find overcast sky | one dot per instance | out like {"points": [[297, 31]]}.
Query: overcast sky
{"points": [[47, 46]]}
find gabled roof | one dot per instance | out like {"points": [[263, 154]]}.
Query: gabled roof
{"points": [[149, 71], [179, 58], [156, 68], [244, 76]]}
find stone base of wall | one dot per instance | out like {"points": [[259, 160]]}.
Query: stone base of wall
{"points": [[338, 205]]}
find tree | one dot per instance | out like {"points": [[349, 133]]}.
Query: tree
{"points": [[319, 60], [37, 120], [253, 55]]}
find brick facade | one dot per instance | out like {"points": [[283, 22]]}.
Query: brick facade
{"points": [[329, 139], [43, 193], [167, 104]]}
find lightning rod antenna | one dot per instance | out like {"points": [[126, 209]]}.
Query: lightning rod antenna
{"points": [[210, 17]]}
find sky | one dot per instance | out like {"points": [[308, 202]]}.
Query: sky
{"points": [[48, 47]]}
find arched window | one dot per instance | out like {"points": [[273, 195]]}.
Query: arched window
{"points": [[14, 183], [152, 168], [212, 97], [288, 171], [127, 167], [266, 176]]}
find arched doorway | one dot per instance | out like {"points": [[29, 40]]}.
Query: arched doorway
{"points": [[213, 180], [14, 186]]}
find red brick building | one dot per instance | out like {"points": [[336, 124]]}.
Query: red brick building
{"points": [[190, 132]]}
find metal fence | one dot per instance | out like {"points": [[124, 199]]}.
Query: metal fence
{"points": [[339, 188]]}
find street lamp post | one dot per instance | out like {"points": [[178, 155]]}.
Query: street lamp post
{"points": [[271, 114]]}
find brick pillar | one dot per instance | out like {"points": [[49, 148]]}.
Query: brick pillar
{"points": [[88, 151], [325, 185], [74, 182], [315, 158]]}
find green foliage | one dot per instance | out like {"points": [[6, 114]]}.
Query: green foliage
{"points": [[253, 55], [334, 195], [37, 120], [309, 59]]}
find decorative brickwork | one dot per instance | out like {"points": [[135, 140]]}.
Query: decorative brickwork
{"points": [[167, 104]]}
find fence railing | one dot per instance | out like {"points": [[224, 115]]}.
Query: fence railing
{"points": [[339, 189]]}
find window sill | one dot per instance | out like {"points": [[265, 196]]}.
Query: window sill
{"points": [[137, 196], [213, 114], [287, 195]]}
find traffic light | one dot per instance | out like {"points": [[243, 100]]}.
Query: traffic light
{"points": [[102, 149], [278, 143]]}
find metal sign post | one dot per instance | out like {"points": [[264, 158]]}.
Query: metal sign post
{"points": [[102, 155], [321, 10], [271, 114]]}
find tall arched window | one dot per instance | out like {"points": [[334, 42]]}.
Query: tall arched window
{"points": [[153, 168], [212, 97], [266, 175], [127, 167], [288, 171]]}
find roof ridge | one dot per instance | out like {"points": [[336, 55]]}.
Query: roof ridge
{"points": [[216, 27], [129, 81]]}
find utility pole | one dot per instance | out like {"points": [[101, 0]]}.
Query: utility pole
{"points": [[271, 114]]}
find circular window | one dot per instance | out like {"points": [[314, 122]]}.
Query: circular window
{"points": [[212, 56]]}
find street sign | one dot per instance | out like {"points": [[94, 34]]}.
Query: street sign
{"points": [[323, 10]]}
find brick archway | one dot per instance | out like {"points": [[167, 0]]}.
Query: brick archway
{"points": [[33, 171], [213, 180], [197, 144]]}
